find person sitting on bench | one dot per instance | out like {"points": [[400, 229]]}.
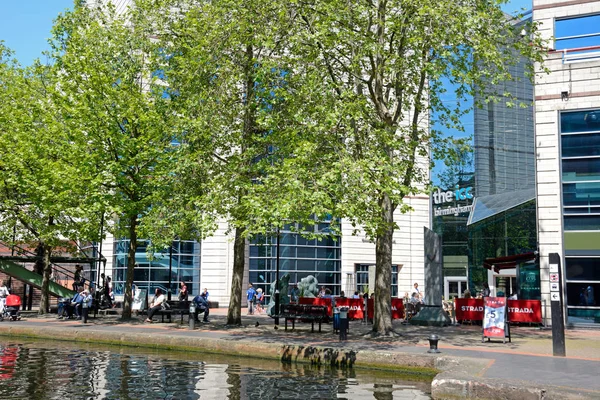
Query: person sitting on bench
{"points": [[201, 305], [156, 304]]}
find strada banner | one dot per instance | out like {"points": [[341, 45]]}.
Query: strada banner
{"points": [[525, 311], [317, 301], [494, 320], [397, 308], [468, 309], [529, 311], [355, 307]]}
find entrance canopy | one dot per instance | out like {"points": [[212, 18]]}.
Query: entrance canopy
{"points": [[500, 263]]}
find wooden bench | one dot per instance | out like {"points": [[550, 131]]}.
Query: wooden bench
{"points": [[174, 310], [304, 313]]}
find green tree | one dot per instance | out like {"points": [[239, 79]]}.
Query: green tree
{"points": [[38, 195], [112, 95], [374, 73], [227, 71]]}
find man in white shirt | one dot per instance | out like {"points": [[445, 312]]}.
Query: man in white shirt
{"points": [[417, 291]]}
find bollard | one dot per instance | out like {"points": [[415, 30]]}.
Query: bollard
{"points": [[192, 320], [343, 323], [433, 343]]}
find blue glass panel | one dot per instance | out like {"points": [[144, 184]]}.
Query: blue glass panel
{"points": [[306, 242], [287, 251], [581, 194], [584, 315], [581, 170], [583, 294], [306, 252], [305, 265], [139, 274], [583, 269], [588, 24], [580, 121], [581, 145], [253, 251], [582, 223], [327, 252]]}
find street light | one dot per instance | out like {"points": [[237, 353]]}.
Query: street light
{"points": [[277, 283]]}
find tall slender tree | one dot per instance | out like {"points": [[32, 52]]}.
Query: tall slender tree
{"points": [[375, 68], [227, 69], [113, 98], [38, 197]]}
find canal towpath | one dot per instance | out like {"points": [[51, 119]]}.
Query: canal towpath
{"points": [[522, 369]]}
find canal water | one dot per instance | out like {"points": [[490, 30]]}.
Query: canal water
{"points": [[59, 370]]}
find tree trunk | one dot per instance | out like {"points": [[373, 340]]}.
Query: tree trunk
{"points": [[128, 298], [382, 316], [47, 271], [234, 313]]}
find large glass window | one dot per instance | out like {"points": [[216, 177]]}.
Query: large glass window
{"points": [[298, 256], [179, 263], [581, 194], [582, 31], [580, 152], [578, 170]]}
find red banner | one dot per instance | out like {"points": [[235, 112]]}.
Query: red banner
{"points": [[525, 311], [471, 309], [397, 308], [355, 307], [518, 310], [318, 301]]}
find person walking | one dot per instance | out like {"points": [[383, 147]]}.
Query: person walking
{"points": [[250, 293]]}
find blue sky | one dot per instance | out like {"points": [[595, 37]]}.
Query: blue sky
{"points": [[25, 24]]}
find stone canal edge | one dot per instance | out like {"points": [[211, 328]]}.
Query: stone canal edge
{"points": [[453, 377]]}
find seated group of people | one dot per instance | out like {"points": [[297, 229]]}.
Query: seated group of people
{"points": [[159, 302], [77, 307]]}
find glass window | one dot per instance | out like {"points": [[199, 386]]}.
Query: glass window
{"points": [[580, 145], [581, 194], [582, 223], [580, 121], [306, 252], [577, 32], [305, 265], [582, 294], [286, 251], [587, 169], [583, 269]]}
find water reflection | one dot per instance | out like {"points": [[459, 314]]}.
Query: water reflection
{"points": [[48, 370]]}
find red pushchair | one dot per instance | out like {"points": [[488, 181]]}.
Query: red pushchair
{"points": [[11, 309]]}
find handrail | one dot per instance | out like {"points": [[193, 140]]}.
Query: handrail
{"points": [[57, 267]]}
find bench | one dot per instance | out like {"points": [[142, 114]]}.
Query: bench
{"points": [[174, 310], [304, 313]]}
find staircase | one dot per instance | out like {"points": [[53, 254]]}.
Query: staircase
{"points": [[16, 271]]}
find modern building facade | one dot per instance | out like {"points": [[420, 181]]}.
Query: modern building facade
{"points": [[567, 138], [345, 263], [500, 171]]}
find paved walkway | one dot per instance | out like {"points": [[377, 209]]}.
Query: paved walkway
{"points": [[527, 361]]}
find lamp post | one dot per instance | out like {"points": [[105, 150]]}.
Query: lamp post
{"points": [[170, 269], [277, 283]]}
